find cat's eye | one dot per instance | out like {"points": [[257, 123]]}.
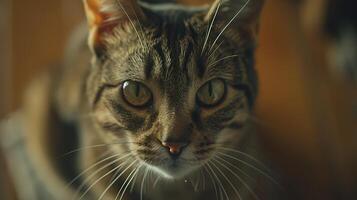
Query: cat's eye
{"points": [[136, 94], [212, 93]]}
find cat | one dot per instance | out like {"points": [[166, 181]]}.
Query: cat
{"points": [[153, 101]]}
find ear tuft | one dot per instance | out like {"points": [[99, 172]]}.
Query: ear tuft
{"points": [[105, 15]]}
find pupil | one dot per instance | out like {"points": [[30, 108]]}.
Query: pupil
{"points": [[137, 90], [210, 89]]}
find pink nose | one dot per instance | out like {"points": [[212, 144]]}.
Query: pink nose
{"points": [[174, 147]]}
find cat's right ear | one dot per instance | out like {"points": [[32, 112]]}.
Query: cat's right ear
{"points": [[104, 16]]}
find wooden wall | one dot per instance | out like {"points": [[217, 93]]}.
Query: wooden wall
{"points": [[304, 115]]}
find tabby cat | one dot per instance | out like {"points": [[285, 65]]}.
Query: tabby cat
{"points": [[158, 107]]}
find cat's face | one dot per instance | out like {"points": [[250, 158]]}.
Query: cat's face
{"points": [[167, 93]]}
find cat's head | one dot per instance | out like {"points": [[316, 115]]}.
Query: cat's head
{"points": [[171, 85]]}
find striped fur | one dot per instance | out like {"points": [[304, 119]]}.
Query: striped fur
{"points": [[174, 51]]}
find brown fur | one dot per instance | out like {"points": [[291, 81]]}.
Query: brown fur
{"points": [[174, 67]]}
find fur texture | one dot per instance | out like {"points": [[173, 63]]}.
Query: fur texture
{"points": [[172, 52]]}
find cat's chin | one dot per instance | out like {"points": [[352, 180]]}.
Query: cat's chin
{"points": [[172, 170]]}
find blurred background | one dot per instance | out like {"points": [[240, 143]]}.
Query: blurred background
{"points": [[307, 106]]}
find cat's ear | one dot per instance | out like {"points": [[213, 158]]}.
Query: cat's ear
{"points": [[105, 15], [240, 15]]}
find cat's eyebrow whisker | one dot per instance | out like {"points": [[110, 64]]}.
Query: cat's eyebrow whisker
{"points": [[251, 166], [227, 179], [220, 60], [131, 22], [214, 51], [239, 178], [210, 27], [140, 25], [229, 23]]}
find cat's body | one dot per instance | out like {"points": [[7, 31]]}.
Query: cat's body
{"points": [[179, 128]]}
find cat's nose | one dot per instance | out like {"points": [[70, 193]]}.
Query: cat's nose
{"points": [[175, 148]]}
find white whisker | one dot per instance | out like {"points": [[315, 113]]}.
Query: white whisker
{"points": [[229, 23], [210, 27], [127, 182], [99, 179], [240, 179], [218, 180], [227, 179], [133, 182], [157, 180], [212, 180], [112, 183], [142, 183], [132, 24], [246, 155], [97, 171], [252, 166], [89, 168], [220, 60], [214, 51], [235, 167], [93, 147]]}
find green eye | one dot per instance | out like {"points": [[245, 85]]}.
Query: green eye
{"points": [[211, 93], [136, 94]]}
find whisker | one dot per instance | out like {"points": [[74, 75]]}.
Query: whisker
{"points": [[246, 155], [204, 180], [198, 181], [227, 179], [99, 179], [142, 183], [230, 22], [140, 25], [94, 146], [157, 180], [97, 171], [212, 180], [222, 59], [210, 27], [127, 181], [112, 183], [237, 168], [240, 179], [218, 180], [133, 182], [122, 173], [252, 166], [214, 51], [132, 23], [89, 168]]}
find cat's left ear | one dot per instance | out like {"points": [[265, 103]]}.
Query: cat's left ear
{"points": [[104, 16], [237, 15]]}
